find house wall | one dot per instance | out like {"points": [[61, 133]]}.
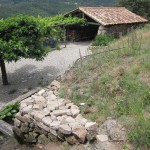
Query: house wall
{"points": [[117, 30]]}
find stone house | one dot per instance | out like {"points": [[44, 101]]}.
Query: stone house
{"points": [[102, 20]]}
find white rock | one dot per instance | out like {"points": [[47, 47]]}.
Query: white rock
{"points": [[22, 105], [42, 126], [74, 107], [41, 92], [82, 121], [91, 126], [38, 115], [55, 83], [75, 112], [17, 122], [51, 108], [47, 120], [27, 109], [28, 101], [82, 104], [51, 97], [61, 112], [52, 104], [38, 106], [70, 119], [54, 118], [102, 138], [55, 125], [40, 99], [65, 129]]}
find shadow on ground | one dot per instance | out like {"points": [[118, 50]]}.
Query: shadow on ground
{"points": [[26, 79]]}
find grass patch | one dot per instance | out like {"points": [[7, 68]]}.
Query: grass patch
{"points": [[116, 84]]}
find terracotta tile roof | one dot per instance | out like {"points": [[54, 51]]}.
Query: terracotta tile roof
{"points": [[112, 15]]}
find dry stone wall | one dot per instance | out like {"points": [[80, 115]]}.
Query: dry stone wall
{"points": [[45, 117]]}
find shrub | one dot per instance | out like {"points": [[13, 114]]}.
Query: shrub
{"points": [[102, 40]]}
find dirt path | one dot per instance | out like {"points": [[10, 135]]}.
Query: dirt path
{"points": [[28, 74]]}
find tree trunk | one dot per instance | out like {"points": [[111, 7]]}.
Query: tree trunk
{"points": [[4, 74]]}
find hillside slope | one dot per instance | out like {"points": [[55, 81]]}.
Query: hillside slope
{"points": [[116, 84], [45, 7]]}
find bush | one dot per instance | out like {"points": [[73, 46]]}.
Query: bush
{"points": [[102, 40]]}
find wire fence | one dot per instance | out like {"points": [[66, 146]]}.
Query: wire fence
{"points": [[134, 41]]}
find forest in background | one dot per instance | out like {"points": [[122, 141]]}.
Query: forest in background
{"points": [[45, 7]]}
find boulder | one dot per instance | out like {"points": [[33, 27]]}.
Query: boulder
{"points": [[80, 132], [65, 129]]}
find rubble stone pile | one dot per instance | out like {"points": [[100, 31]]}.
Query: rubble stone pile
{"points": [[45, 117]]}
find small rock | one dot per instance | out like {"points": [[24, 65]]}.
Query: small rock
{"points": [[17, 122], [52, 104], [82, 121], [55, 83], [22, 105], [27, 110], [50, 107], [102, 138], [41, 92], [80, 132], [117, 134], [51, 97], [75, 112], [42, 126], [38, 115], [40, 99], [61, 112], [65, 129], [24, 128], [37, 106], [82, 104], [91, 126], [74, 107], [28, 101], [47, 120], [71, 140], [55, 125], [105, 146], [91, 135]]}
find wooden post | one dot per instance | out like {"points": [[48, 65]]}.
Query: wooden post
{"points": [[65, 36]]}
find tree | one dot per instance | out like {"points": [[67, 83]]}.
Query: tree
{"points": [[24, 37], [20, 37], [140, 7]]}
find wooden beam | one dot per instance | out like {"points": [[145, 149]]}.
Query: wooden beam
{"points": [[6, 128], [93, 23]]}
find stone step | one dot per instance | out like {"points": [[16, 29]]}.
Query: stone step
{"points": [[6, 128]]}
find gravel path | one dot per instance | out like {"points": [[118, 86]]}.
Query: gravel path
{"points": [[28, 74]]}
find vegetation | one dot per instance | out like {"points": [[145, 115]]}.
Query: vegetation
{"points": [[9, 111], [45, 8], [102, 40], [116, 84], [24, 37], [140, 7]]}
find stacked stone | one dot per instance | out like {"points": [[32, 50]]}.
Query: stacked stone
{"points": [[45, 117]]}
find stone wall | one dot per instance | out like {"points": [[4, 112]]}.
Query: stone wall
{"points": [[117, 30], [44, 117]]}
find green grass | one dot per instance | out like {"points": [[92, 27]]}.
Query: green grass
{"points": [[117, 84]]}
